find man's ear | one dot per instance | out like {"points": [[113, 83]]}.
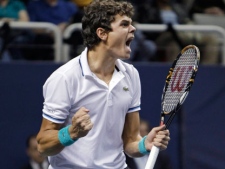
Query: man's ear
{"points": [[102, 34]]}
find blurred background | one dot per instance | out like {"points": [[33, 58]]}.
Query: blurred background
{"points": [[38, 36]]}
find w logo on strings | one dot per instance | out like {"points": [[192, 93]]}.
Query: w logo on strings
{"points": [[180, 78]]}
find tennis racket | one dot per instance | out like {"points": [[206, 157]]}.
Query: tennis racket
{"points": [[178, 84]]}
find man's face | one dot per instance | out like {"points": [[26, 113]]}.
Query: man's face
{"points": [[119, 39]]}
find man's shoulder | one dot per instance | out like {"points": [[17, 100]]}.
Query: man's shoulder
{"points": [[71, 65]]}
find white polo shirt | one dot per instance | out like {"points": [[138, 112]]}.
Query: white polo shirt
{"points": [[73, 86]]}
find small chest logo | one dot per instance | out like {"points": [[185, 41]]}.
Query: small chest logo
{"points": [[125, 88]]}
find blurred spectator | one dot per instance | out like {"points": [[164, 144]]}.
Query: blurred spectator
{"points": [[165, 12], [163, 161], [11, 10], [160, 12], [25, 2], [81, 3], [57, 12], [75, 40], [143, 50], [36, 161], [210, 7], [170, 42], [210, 45]]}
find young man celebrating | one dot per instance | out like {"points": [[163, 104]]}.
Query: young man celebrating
{"points": [[92, 103]]}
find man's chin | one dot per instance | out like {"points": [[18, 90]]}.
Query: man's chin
{"points": [[125, 57]]}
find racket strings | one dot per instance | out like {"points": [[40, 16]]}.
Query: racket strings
{"points": [[179, 80]]}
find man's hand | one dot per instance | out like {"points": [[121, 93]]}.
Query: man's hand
{"points": [[158, 137], [81, 124]]}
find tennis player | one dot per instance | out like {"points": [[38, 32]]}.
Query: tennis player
{"points": [[91, 104]]}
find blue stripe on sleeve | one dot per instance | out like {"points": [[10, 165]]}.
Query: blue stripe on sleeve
{"points": [[53, 119], [134, 108]]}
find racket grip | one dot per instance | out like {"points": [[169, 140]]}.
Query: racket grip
{"points": [[152, 158]]}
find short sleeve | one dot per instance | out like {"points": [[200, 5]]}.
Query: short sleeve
{"points": [[57, 102], [136, 95]]}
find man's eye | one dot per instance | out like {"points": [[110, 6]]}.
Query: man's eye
{"points": [[125, 24]]}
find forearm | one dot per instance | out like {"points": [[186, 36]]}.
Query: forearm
{"points": [[131, 135], [47, 138], [48, 143], [131, 148], [52, 138]]}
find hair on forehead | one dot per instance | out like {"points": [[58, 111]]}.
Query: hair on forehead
{"points": [[111, 7]]}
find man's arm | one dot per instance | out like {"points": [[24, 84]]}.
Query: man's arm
{"points": [[48, 139], [131, 137]]}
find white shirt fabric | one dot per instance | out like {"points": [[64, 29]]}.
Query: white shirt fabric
{"points": [[73, 86]]}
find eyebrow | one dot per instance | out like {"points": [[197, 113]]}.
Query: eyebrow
{"points": [[126, 21]]}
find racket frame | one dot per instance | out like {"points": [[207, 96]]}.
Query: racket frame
{"points": [[188, 86], [155, 150]]}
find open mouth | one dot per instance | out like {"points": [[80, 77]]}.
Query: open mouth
{"points": [[128, 42]]}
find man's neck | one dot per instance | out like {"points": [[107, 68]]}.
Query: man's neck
{"points": [[100, 62], [101, 65]]}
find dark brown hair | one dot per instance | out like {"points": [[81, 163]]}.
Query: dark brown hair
{"points": [[101, 13]]}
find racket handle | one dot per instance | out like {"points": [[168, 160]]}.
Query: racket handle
{"points": [[152, 158]]}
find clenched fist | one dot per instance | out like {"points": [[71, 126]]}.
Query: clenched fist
{"points": [[81, 124]]}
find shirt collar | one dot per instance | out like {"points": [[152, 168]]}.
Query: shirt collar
{"points": [[84, 64], [120, 66], [86, 69]]}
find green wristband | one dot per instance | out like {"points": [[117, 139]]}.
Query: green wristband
{"points": [[64, 136], [141, 146]]}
